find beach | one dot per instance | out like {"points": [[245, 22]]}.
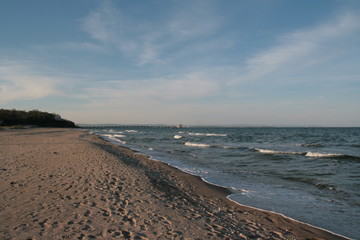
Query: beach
{"points": [[70, 184]]}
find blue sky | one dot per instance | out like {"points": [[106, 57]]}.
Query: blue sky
{"points": [[252, 62]]}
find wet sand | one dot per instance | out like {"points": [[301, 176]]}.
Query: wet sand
{"points": [[69, 184]]}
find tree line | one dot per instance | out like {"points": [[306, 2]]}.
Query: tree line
{"points": [[35, 117]]}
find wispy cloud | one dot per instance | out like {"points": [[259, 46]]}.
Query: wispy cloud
{"points": [[99, 24], [194, 19], [23, 81], [303, 48], [172, 89], [72, 46], [161, 100], [150, 40]]}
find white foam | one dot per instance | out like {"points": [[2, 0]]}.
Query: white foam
{"points": [[207, 134], [131, 131], [113, 138], [178, 136], [268, 151], [307, 154], [215, 135], [318, 154], [113, 135], [119, 135], [105, 135], [191, 144], [117, 140]]}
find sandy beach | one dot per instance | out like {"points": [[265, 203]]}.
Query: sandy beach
{"points": [[69, 184]]}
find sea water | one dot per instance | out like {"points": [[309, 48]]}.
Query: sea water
{"points": [[309, 174]]}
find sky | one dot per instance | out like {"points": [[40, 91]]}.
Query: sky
{"points": [[195, 62]]}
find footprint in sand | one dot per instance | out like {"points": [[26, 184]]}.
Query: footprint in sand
{"points": [[87, 228], [87, 213], [44, 224], [70, 222], [126, 234], [130, 220], [55, 224]]}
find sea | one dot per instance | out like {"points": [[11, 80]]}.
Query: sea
{"points": [[311, 175]]}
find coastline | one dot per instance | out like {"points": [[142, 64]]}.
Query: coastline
{"points": [[59, 183]]}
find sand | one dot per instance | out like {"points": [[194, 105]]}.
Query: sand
{"points": [[69, 184]]}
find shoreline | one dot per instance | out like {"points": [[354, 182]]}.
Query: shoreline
{"points": [[97, 190], [224, 190]]}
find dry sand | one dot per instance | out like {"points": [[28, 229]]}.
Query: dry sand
{"points": [[69, 184]]}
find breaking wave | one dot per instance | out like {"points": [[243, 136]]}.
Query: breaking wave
{"points": [[268, 151], [318, 154], [202, 145], [131, 131], [308, 154], [114, 138], [207, 134]]}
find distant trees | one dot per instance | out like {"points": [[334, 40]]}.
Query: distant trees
{"points": [[34, 117]]}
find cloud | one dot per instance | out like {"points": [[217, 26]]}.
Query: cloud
{"points": [[148, 39], [194, 19], [156, 100], [149, 100], [188, 87], [302, 48], [172, 89], [118, 31], [21, 81], [72, 46], [98, 24]]}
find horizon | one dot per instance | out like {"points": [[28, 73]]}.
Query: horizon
{"points": [[175, 125], [108, 125], [203, 62]]}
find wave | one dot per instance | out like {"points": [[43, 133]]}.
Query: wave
{"points": [[191, 144], [204, 145], [326, 186], [309, 154], [114, 138], [207, 134], [178, 136], [119, 135], [131, 131], [113, 135], [268, 151], [314, 182], [319, 154], [314, 145], [233, 147]]}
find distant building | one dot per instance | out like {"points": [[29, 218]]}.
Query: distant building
{"points": [[179, 126], [58, 117]]}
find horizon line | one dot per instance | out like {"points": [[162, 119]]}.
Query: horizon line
{"points": [[209, 125]]}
